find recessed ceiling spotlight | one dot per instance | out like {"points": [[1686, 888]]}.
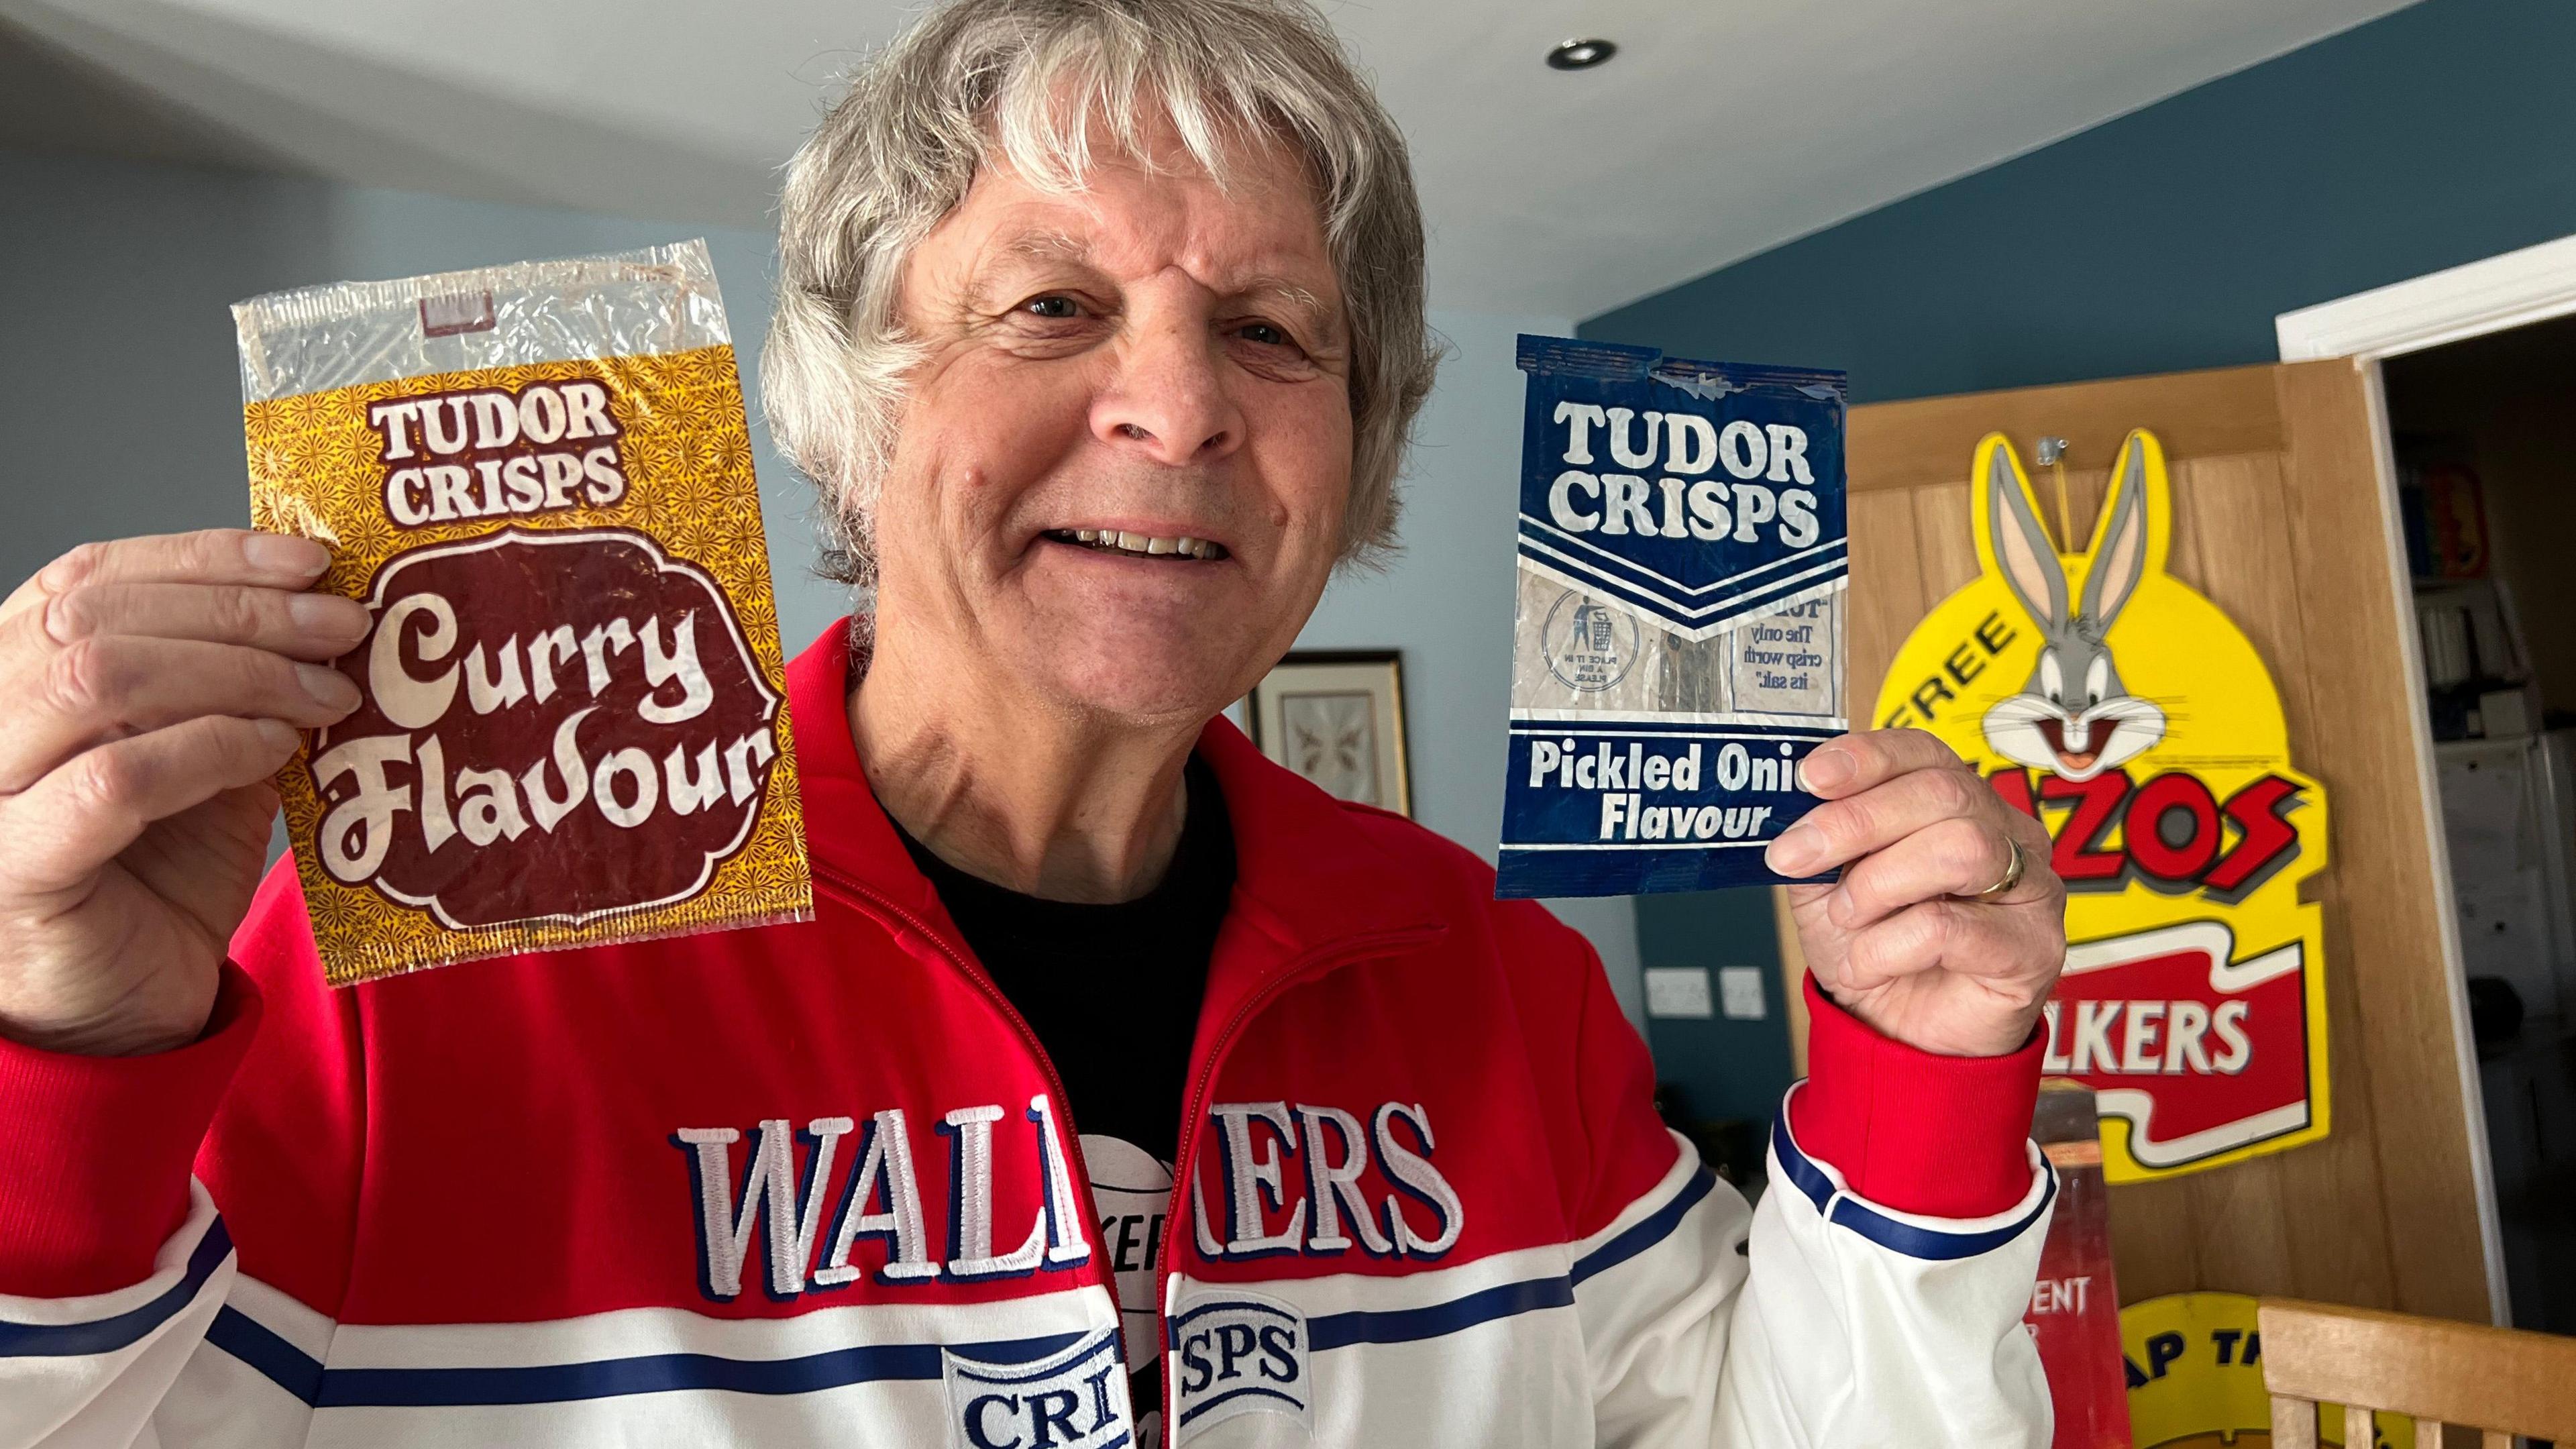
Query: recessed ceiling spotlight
{"points": [[1580, 54]]}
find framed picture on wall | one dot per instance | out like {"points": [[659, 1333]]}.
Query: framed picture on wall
{"points": [[1336, 716]]}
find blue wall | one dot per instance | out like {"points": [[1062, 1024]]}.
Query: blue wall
{"points": [[120, 395], [2169, 238], [2164, 240], [1725, 1069]]}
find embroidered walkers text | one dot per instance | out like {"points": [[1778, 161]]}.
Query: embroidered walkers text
{"points": [[1678, 642], [573, 730]]}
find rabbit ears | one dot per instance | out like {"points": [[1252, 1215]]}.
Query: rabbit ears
{"points": [[2128, 539]]}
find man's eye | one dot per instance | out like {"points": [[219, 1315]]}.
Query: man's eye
{"points": [[1264, 333], [1053, 308]]}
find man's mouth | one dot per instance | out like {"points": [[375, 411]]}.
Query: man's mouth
{"points": [[1138, 545]]}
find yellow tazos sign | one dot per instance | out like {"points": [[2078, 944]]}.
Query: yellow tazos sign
{"points": [[2134, 719]]}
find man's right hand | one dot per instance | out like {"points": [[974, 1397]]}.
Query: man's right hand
{"points": [[148, 689]]}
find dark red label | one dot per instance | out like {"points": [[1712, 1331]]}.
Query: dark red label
{"points": [[2074, 1312], [555, 725]]}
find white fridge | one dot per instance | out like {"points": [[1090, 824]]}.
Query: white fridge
{"points": [[2509, 816], [2508, 811]]}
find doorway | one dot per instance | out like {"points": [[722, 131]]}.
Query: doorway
{"points": [[2483, 441], [2279, 523]]}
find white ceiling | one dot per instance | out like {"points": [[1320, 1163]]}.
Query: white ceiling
{"points": [[1722, 128]]}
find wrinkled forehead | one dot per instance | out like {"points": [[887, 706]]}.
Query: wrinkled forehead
{"points": [[1282, 267], [1142, 202]]}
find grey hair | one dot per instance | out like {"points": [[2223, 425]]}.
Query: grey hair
{"points": [[1027, 80]]}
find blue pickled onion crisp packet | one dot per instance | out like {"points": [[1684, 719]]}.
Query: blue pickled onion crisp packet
{"points": [[1677, 642]]}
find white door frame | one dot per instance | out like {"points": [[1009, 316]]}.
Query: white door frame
{"points": [[2514, 289], [2511, 290]]}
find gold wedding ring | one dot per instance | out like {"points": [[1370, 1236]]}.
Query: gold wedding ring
{"points": [[2012, 874]]}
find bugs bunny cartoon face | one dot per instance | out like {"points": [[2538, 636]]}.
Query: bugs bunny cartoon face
{"points": [[2073, 718]]}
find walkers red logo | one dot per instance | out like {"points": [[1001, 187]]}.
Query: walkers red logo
{"points": [[2124, 710], [2199, 1051]]}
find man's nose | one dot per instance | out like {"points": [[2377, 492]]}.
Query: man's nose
{"points": [[1169, 398]]}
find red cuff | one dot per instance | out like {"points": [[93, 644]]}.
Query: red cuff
{"points": [[96, 1152], [1940, 1136]]}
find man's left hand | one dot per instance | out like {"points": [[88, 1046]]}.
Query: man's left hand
{"points": [[1904, 940]]}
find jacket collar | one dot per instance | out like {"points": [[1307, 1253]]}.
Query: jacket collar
{"points": [[1309, 878]]}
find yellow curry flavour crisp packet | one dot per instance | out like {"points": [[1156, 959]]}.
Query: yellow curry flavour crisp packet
{"points": [[574, 730]]}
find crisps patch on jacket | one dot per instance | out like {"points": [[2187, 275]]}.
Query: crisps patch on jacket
{"points": [[1678, 634], [573, 726]]}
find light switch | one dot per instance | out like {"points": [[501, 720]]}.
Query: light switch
{"points": [[1678, 991], [1739, 992]]}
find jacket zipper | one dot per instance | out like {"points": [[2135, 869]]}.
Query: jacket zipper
{"points": [[880, 906], [1314, 963]]}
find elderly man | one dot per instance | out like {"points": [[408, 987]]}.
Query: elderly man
{"points": [[1102, 327]]}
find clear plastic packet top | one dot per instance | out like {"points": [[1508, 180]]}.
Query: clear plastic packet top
{"points": [[1678, 631], [573, 726]]}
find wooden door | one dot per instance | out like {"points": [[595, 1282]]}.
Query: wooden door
{"points": [[2278, 518]]}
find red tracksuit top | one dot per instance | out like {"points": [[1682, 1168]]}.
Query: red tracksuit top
{"points": [[658, 1191]]}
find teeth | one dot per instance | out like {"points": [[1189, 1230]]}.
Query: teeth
{"points": [[1139, 543]]}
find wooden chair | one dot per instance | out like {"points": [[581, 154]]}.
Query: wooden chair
{"points": [[2391, 1364]]}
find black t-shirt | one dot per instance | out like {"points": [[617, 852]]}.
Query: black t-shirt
{"points": [[1113, 994], [1112, 991]]}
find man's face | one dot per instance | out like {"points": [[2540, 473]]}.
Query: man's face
{"points": [[1151, 359]]}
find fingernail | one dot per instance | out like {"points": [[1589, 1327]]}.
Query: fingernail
{"points": [[328, 688], [285, 554], [1826, 769], [328, 616], [277, 734], [1790, 854]]}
